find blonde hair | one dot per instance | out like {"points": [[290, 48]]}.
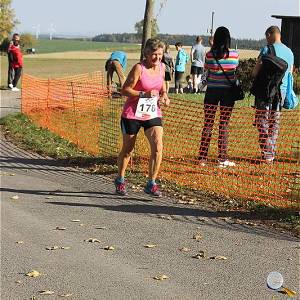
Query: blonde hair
{"points": [[152, 45]]}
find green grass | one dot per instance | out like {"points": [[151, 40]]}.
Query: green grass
{"points": [[56, 68], [38, 139], [47, 46]]}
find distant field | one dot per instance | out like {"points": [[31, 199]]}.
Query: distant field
{"points": [[53, 68], [47, 46]]}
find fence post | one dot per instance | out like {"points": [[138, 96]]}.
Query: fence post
{"points": [[74, 112]]}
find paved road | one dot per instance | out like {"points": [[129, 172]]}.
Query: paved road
{"points": [[9, 102], [51, 195]]}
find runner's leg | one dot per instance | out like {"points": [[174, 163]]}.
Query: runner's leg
{"points": [[154, 136], [125, 154]]}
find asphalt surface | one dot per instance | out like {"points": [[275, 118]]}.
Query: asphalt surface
{"points": [[51, 195], [9, 102]]}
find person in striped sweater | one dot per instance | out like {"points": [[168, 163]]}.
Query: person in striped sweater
{"points": [[218, 93]]}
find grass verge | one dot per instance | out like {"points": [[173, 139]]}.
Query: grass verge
{"points": [[24, 133]]}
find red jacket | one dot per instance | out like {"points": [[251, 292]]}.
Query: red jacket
{"points": [[17, 57]]}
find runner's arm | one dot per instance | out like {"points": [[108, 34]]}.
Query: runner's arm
{"points": [[131, 81]]}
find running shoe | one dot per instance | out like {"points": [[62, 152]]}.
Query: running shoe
{"points": [[226, 163], [152, 189], [269, 160], [15, 89], [120, 188]]}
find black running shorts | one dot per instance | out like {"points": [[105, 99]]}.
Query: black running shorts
{"points": [[196, 70], [131, 126]]}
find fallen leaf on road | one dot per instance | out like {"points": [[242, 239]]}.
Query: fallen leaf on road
{"points": [[203, 219], [65, 248], [18, 281], [150, 246], [219, 257], [81, 224], [33, 298], [184, 249], [46, 292], [92, 240], [288, 292], [65, 295], [19, 242], [60, 228], [49, 197], [165, 217], [52, 248], [16, 197], [109, 248], [161, 277], [75, 220], [197, 237], [33, 273], [199, 255]]}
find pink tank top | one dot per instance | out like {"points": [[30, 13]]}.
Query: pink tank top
{"points": [[147, 82]]}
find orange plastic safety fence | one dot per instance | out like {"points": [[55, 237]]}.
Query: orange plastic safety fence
{"points": [[69, 107], [195, 139]]}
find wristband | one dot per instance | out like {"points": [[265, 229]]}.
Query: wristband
{"points": [[142, 94]]}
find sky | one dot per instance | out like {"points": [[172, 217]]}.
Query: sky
{"points": [[245, 19]]}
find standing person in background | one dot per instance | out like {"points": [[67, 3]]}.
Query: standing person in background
{"points": [[116, 63], [16, 63], [146, 92], [181, 60], [197, 58], [169, 63], [268, 108], [10, 76], [218, 91]]}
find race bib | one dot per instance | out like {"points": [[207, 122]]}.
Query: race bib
{"points": [[147, 108]]}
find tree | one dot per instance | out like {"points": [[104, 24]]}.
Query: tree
{"points": [[7, 19], [154, 28], [27, 41], [148, 16]]}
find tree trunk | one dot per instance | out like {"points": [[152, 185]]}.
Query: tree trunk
{"points": [[147, 23]]}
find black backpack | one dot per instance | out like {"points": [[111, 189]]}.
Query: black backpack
{"points": [[266, 85]]}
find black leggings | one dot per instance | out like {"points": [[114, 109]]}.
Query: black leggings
{"points": [[178, 79]]}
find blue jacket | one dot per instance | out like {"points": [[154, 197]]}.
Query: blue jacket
{"points": [[181, 59], [121, 57]]}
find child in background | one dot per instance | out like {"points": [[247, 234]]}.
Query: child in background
{"points": [[189, 81]]}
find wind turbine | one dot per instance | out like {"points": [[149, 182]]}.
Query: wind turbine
{"points": [[51, 31], [37, 29]]}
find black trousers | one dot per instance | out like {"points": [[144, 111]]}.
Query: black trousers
{"points": [[10, 75], [213, 97], [178, 79], [18, 73]]}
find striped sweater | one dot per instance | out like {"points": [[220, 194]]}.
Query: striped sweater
{"points": [[216, 78]]}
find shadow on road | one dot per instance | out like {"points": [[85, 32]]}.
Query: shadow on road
{"points": [[220, 219]]}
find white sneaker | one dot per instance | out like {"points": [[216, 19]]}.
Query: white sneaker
{"points": [[269, 160], [10, 86], [226, 163], [15, 89]]}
